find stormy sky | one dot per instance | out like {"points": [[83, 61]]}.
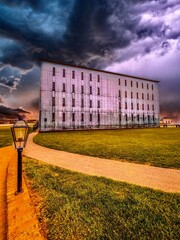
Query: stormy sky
{"points": [[135, 37]]}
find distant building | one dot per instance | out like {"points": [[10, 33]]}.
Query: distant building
{"points": [[74, 97], [169, 120]]}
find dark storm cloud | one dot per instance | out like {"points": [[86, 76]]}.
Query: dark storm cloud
{"points": [[12, 113], [88, 34], [93, 33]]}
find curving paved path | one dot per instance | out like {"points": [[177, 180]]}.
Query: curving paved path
{"points": [[167, 180]]}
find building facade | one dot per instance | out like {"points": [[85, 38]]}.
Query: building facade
{"points": [[73, 97]]}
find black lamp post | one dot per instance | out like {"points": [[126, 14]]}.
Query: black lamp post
{"points": [[20, 132]]}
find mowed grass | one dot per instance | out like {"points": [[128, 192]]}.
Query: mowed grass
{"points": [[158, 147], [5, 136], [76, 206]]}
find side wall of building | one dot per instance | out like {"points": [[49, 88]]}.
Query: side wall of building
{"points": [[78, 98]]}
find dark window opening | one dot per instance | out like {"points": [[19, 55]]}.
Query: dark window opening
{"points": [[90, 117], [98, 104], [82, 117], [90, 90], [82, 89], [73, 102], [73, 88], [53, 101], [73, 74], [64, 103], [82, 76], [64, 87], [73, 117], [54, 71], [90, 77], [98, 78], [64, 73], [53, 117], [64, 117], [53, 86], [98, 91], [90, 103]]}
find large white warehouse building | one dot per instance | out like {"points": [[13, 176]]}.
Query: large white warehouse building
{"points": [[73, 97]]}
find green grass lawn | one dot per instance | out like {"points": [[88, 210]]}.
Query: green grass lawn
{"points": [[77, 206], [158, 147], [5, 136]]}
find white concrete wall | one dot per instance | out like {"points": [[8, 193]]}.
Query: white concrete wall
{"points": [[109, 99]]}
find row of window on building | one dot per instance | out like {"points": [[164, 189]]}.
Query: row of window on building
{"points": [[98, 79], [98, 104], [98, 92], [98, 117]]}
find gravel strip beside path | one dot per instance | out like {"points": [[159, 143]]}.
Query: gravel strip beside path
{"points": [[164, 179]]}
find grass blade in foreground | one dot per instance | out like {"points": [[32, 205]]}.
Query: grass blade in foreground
{"points": [[77, 206]]}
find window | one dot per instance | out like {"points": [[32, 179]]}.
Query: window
{"points": [[82, 117], [119, 93], [82, 76], [99, 118], [98, 105], [54, 71], [119, 81], [137, 106], [90, 117], [119, 117], [45, 119], [126, 117], [137, 95], [125, 105], [142, 85], [132, 117], [53, 101], [138, 117], [64, 103], [119, 105], [82, 89], [53, 86], [153, 97], [125, 94], [90, 90], [90, 104], [73, 74], [98, 91], [153, 118], [98, 78], [148, 119], [131, 83], [148, 96], [53, 117], [125, 82], [82, 102], [143, 118], [64, 87], [73, 102], [90, 77], [152, 87], [147, 86], [137, 85], [64, 73], [148, 107], [142, 106], [73, 88], [64, 117], [73, 117], [131, 106], [153, 107], [131, 94], [142, 95]]}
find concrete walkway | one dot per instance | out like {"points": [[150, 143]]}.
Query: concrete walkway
{"points": [[4, 162], [18, 219], [167, 180]]}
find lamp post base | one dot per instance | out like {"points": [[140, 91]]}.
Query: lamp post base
{"points": [[17, 193]]}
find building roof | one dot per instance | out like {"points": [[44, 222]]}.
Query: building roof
{"points": [[103, 71]]}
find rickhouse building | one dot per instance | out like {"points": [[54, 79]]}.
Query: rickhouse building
{"points": [[73, 97]]}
